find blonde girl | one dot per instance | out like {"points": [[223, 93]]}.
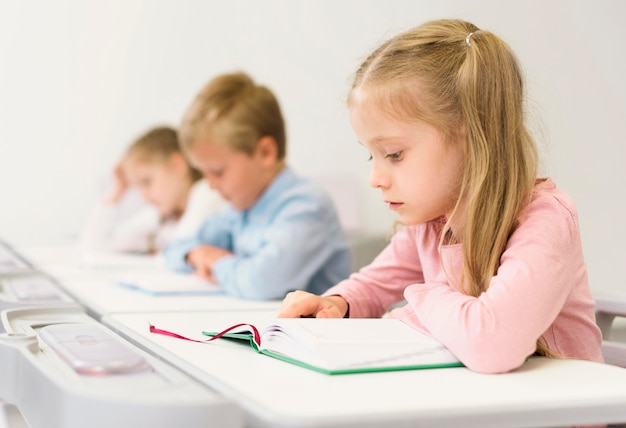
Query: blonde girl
{"points": [[490, 259], [156, 197]]}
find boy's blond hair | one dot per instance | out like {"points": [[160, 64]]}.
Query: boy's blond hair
{"points": [[234, 111], [157, 145]]}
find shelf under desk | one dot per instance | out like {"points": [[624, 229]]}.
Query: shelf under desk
{"points": [[543, 392]]}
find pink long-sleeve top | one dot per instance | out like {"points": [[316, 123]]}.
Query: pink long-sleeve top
{"points": [[540, 288]]}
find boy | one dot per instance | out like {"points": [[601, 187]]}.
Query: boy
{"points": [[280, 232]]}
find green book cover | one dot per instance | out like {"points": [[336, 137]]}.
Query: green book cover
{"points": [[343, 346]]}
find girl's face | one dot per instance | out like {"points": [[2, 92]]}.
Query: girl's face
{"points": [[418, 172], [164, 184]]}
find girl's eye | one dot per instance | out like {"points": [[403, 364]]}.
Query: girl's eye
{"points": [[394, 156]]}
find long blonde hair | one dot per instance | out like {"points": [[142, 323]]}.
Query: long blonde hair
{"points": [[467, 83]]}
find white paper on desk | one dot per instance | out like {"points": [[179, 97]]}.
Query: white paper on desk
{"points": [[104, 260], [10, 263], [165, 283], [33, 288]]}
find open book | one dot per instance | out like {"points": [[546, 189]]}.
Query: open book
{"points": [[340, 346], [164, 283]]}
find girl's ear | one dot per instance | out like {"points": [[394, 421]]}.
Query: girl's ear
{"points": [[267, 150]]}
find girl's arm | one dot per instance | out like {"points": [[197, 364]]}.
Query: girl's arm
{"points": [[371, 291], [541, 269]]}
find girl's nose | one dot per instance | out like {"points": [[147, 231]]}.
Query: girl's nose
{"points": [[378, 179]]}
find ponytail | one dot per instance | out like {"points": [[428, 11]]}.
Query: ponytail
{"points": [[501, 157]]}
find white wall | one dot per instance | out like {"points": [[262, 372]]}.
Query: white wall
{"points": [[79, 80]]}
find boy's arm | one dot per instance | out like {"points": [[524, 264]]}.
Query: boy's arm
{"points": [[304, 237], [175, 254], [216, 231]]}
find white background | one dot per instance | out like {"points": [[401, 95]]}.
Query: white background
{"points": [[79, 80]]}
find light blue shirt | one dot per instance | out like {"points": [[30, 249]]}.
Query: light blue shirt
{"points": [[290, 239]]}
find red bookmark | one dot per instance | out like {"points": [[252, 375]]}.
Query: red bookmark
{"points": [[255, 333]]}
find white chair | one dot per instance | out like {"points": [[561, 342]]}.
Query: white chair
{"points": [[608, 307], [364, 244]]}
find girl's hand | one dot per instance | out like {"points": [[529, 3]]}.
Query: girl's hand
{"points": [[302, 304]]}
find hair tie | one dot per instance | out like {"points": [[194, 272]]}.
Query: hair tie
{"points": [[467, 39]]}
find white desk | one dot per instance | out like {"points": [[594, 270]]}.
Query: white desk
{"points": [[102, 297], [10, 417], [91, 284], [29, 287], [276, 394], [50, 394]]}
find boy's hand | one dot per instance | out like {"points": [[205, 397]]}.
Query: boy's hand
{"points": [[203, 257], [120, 184], [302, 304]]}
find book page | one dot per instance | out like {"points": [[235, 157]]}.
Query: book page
{"points": [[355, 344]]}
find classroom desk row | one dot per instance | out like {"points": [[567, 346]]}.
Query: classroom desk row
{"points": [[90, 281], [257, 391]]}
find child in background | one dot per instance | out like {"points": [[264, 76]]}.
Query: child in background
{"points": [[490, 259], [281, 232], [176, 200]]}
